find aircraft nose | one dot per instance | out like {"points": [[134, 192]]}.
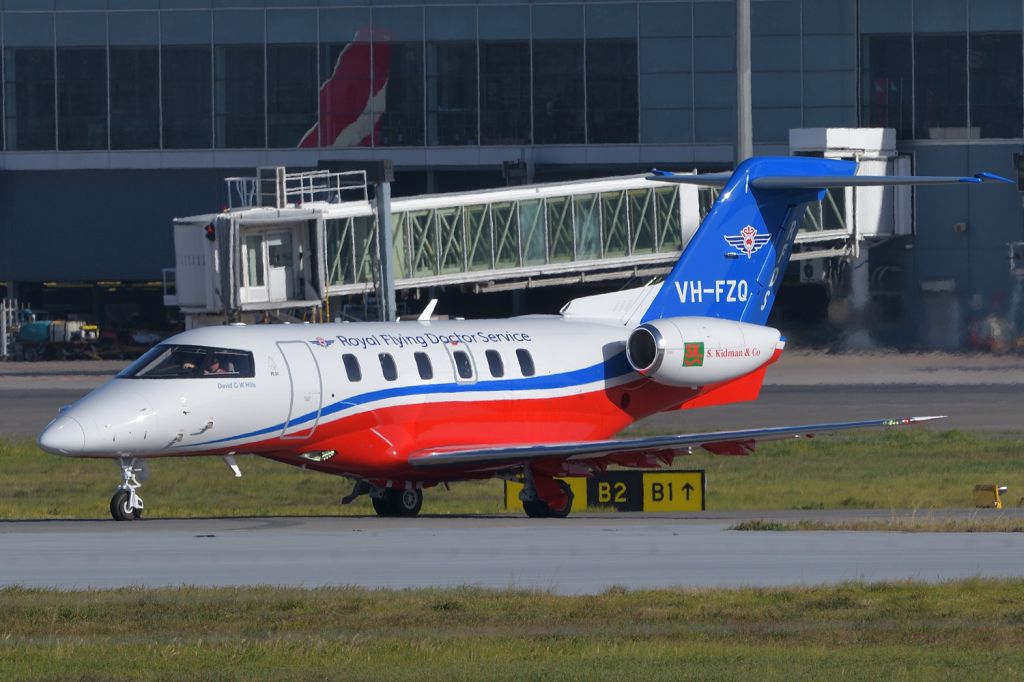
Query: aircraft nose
{"points": [[64, 436]]}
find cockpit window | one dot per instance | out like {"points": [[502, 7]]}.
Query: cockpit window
{"points": [[187, 362]]}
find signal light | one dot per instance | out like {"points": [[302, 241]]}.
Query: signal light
{"points": [[211, 233]]}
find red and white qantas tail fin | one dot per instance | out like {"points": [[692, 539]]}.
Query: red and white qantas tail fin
{"points": [[353, 98]]}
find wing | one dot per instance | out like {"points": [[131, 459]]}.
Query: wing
{"points": [[720, 442]]}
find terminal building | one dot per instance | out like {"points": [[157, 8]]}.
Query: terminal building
{"points": [[121, 115]]}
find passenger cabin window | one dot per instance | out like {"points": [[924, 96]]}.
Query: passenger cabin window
{"points": [[387, 366], [525, 362], [352, 367], [495, 364], [426, 370], [463, 365], [189, 362]]}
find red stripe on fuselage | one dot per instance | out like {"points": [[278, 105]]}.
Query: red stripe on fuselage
{"points": [[377, 443]]}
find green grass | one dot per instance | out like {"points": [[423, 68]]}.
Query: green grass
{"points": [[908, 468], [903, 631], [899, 469], [898, 524]]}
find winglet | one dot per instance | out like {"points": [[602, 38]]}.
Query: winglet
{"points": [[915, 420], [983, 176]]}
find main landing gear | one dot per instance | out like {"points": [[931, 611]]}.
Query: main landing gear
{"points": [[388, 501], [126, 505], [545, 497], [398, 502]]}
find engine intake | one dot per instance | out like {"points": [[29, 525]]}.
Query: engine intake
{"points": [[697, 351]]}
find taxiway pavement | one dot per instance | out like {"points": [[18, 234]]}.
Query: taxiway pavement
{"points": [[580, 555]]}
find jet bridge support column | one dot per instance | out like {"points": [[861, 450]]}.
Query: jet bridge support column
{"points": [[385, 244], [744, 124]]}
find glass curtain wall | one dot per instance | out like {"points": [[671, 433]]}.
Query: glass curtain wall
{"points": [[29, 82], [714, 67], [558, 75], [940, 70], [134, 80], [775, 69], [292, 76], [401, 108], [995, 69], [829, 63], [954, 74], [452, 111], [505, 75], [239, 79], [186, 70], [354, 67], [611, 73], [82, 80], [666, 72]]}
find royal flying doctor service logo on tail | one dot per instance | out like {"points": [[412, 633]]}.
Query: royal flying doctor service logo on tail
{"points": [[748, 241]]}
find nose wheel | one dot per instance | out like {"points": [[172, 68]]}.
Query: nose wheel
{"points": [[126, 505]]}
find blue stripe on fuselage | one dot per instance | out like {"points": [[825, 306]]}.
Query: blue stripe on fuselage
{"points": [[609, 369]]}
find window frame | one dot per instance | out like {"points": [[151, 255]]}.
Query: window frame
{"points": [[423, 363], [353, 371], [163, 352], [528, 364], [388, 366], [495, 363]]}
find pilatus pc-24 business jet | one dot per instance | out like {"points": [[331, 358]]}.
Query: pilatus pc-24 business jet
{"points": [[400, 407]]}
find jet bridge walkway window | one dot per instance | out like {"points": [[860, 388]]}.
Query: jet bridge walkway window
{"points": [[516, 229]]}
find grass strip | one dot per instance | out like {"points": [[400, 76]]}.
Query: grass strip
{"points": [[852, 631], [901, 469], [906, 525]]}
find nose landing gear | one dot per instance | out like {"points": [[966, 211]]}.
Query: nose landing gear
{"points": [[126, 505]]}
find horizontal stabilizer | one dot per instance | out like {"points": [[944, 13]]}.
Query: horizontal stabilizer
{"points": [[701, 179], [826, 181], [720, 442], [822, 181]]}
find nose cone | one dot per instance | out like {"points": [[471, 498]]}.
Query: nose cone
{"points": [[64, 436]]}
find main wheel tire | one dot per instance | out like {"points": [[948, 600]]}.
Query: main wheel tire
{"points": [[539, 509], [562, 513], [121, 507], [536, 509], [405, 502], [382, 506], [398, 502]]}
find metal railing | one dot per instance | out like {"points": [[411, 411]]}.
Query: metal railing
{"points": [[274, 187], [9, 323]]}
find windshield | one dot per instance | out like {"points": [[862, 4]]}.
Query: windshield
{"points": [[188, 362]]}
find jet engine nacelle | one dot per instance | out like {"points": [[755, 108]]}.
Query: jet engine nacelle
{"points": [[697, 351]]}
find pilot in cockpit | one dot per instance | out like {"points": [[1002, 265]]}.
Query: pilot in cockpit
{"points": [[217, 367]]}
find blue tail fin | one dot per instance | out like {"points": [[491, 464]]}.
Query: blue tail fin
{"points": [[733, 264]]}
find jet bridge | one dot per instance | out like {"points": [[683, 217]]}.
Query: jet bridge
{"points": [[518, 237], [291, 241]]}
